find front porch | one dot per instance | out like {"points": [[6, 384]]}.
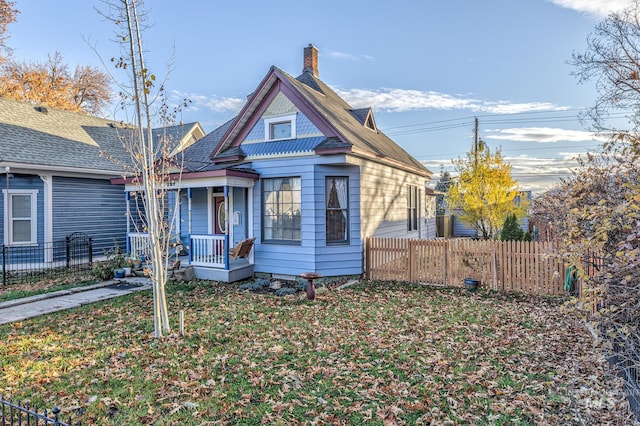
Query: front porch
{"points": [[207, 254]]}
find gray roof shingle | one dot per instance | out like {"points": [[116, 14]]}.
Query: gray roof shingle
{"points": [[51, 138]]}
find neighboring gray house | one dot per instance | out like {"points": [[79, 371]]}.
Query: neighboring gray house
{"points": [[56, 169], [304, 174]]}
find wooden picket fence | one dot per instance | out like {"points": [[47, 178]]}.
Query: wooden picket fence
{"points": [[530, 267]]}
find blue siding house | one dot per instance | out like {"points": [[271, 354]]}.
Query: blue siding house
{"points": [[301, 172]]}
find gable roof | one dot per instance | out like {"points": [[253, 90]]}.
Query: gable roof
{"points": [[348, 130], [179, 136], [51, 139], [196, 156]]}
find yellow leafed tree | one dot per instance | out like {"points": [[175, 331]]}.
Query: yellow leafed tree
{"points": [[485, 193]]}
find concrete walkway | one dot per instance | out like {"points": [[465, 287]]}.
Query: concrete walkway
{"points": [[41, 304]]}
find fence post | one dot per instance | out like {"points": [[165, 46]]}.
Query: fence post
{"points": [[446, 262], [90, 242], [68, 250], [367, 257], [412, 260]]}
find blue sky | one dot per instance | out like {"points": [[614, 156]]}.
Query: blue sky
{"points": [[427, 68]]}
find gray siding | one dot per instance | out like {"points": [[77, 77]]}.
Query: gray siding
{"points": [[93, 206], [461, 229]]}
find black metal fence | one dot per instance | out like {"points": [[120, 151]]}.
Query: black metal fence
{"points": [[625, 356], [35, 262], [17, 414]]}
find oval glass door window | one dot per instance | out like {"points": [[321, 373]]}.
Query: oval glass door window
{"points": [[221, 217]]}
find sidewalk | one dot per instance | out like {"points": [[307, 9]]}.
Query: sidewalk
{"points": [[41, 304]]}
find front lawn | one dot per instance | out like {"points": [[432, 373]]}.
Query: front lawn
{"points": [[375, 353], [26, 289]]}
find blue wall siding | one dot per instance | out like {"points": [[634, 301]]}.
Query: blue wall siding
{"points": [[347, 259], [239, 205], [199, 211], [29, 182], [93, 206], [312, 254], [282, 258]]}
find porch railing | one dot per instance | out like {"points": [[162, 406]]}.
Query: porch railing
{"points": [[138, 244], [207, 250], [204, 250]]}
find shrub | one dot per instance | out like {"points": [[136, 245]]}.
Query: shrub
{"points": [[511, 229], [284, 291]]}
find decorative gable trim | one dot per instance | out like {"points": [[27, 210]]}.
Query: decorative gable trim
{"points": [[275, 82]]}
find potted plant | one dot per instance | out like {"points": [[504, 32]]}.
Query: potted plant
{"points": [[471, 284], [473, 261], [137, 263]]}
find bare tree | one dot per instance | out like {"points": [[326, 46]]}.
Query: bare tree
{"points": [[612, 61], [8, 14], [51, 84], [150, 165]]}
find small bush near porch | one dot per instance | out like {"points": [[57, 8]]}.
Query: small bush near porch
{"points": [[371, 354]]}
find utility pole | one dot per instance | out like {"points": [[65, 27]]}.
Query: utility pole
{"points": [[475, 143]]}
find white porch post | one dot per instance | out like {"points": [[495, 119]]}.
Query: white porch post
{"points": [[48, 216]]}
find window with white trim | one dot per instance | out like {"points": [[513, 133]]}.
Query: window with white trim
{"points": [[21, 216], [412, 208], [337, 209], [280, 127], [281, 205]]}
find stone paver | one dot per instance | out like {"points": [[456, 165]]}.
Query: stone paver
{"points": [[29, 307]]}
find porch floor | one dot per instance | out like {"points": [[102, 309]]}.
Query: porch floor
{"points": [[239, 269]]}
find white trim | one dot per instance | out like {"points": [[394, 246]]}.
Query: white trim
{"points": [[69, 171], [47, 179], [34, 215], [275, 119]]}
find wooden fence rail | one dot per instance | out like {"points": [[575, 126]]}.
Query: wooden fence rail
{"points": [[531, 267]]}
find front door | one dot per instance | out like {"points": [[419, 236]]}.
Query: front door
{"points": [[219, 215]]}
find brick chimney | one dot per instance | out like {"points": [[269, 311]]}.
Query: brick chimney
{"points": [[311, 60]]}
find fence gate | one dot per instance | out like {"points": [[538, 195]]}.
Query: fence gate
{"points": [[79, 251]]}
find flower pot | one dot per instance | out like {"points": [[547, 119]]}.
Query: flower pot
{"points": [[118, 273], [471, 284], [127, 271]]}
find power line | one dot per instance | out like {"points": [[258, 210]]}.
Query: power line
{"points": [[438, 125]]}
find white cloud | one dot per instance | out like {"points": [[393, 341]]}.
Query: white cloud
{"points": [[403, 100], [213, 103], [348, 56], [600, 8], [505, 107], [543, 135], [536, 174]]}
